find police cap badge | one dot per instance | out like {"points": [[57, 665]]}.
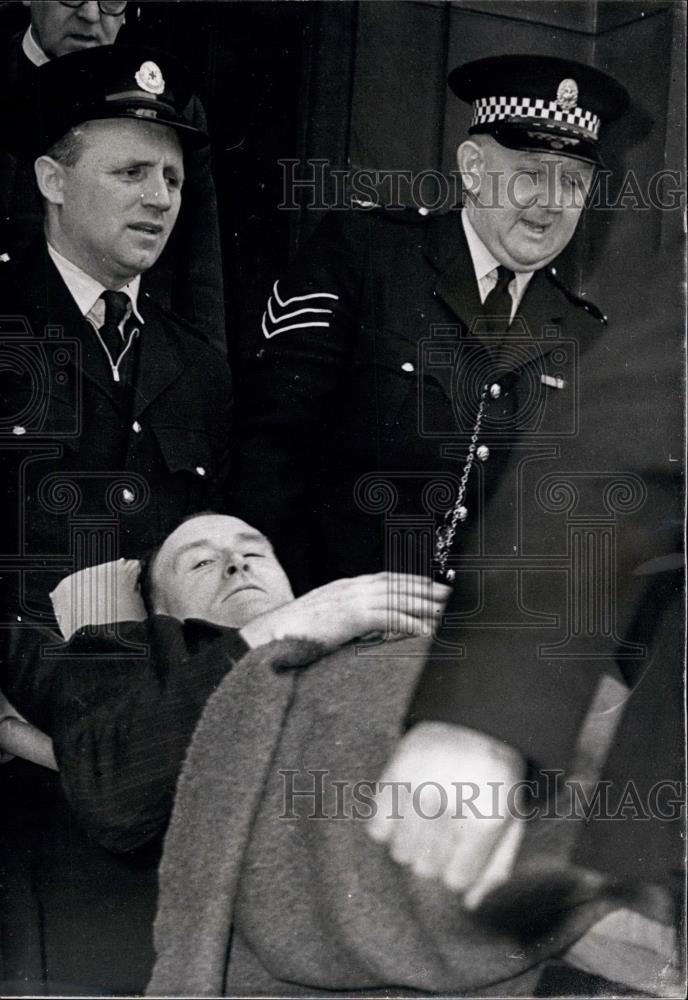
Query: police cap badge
{"points": [[113, 81]]}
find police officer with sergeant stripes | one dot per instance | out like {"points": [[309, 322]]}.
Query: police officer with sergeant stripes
{"points": [[430, 392], [401, 350]]}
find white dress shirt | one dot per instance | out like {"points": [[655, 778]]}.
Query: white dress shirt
{"points": [[86, 291], [485, 266]]}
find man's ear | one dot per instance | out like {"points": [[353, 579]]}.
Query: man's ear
{"points": [[470, 158], [50, 179]]}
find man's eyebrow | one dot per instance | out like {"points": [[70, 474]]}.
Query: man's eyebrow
{"points": [[198, 544], [243, 537], [575, 169], [135, 161], [252, 536]]}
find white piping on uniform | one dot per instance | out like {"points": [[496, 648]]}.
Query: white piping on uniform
{"points": [[302, 298], [297, 312], [293, 326]]}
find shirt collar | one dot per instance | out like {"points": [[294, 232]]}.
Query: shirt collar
{"points": [[32, 50], [484, 262], [85, 290]]}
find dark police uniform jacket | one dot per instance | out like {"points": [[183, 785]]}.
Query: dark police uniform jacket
{"points": [[356, 418], [91, 473], [98, 470], [188, 278], [356, 410]]}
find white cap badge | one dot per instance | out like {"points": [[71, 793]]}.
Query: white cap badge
{"points": [[150, 78], [567, 94]]}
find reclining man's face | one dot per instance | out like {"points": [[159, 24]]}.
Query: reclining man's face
{"points": [[219, 569]]}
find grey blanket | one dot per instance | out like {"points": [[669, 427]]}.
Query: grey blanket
{"points": [[265, 892]]}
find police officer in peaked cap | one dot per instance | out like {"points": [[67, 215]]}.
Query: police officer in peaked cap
{"points": [[189, 275], [429, 393], [114, 420], [343, 385]]}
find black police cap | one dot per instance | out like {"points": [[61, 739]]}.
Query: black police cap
{"points": [[540, 103], [112, 81]]}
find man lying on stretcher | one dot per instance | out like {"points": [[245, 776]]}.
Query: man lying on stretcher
{"points": [[121, 703]]}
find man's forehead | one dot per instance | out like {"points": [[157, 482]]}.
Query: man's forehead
{"points": [[519, 159], [121, 141], [130, 131], [211, 529], [551, 160]]}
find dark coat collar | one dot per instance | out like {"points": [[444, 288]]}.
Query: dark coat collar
{"points": [[447, 250], [160, 357], [542, 307], [51, 308]]}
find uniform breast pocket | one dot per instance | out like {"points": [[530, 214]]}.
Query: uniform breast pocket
{"points": [[400, 389]]}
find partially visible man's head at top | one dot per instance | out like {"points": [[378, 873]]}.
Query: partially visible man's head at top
{"points": [[528, 166], [216, 568], [59, 27], [112, 123]]}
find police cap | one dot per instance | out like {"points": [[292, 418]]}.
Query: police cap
{"points": [[540, 103], [112, 81]]}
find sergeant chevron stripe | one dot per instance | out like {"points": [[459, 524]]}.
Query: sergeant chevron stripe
{"points": [[276, 317]]}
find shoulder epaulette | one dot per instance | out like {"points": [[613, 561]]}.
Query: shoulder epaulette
{"points": [[403, 214], [576, 300], [170, 314]]}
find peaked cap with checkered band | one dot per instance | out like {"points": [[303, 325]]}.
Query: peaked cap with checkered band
{"points": [[540, 103]]}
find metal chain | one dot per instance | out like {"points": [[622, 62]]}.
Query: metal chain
{"points": [[444, 535]]}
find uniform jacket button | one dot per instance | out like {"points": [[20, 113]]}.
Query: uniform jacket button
{"points": [[483, 453], [127, 495], [408, 367], [136, 427], [495, 390], [200, 471]]}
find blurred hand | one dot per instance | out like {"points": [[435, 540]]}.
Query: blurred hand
{"points": [[451, 821], [7, 712], [392, 603], [18, 738], [21, 739]]}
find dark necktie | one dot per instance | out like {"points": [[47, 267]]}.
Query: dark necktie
{"points": [[119, 345], [115, 310], [498, 303]]}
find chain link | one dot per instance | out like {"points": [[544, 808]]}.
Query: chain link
{"points": [[444, 535]]}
